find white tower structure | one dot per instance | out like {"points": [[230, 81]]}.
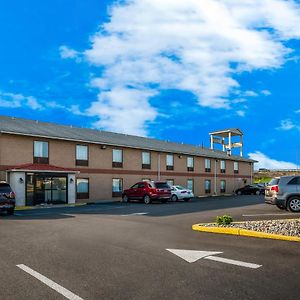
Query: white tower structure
{"points": [[227, 138]]}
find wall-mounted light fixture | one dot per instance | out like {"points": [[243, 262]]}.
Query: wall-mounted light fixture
{"points": [[103, 147], [71, 180], [179, 156], [21, 180]]}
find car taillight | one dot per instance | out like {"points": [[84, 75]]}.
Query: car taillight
{"points": [[275, 188], [10, 195]]}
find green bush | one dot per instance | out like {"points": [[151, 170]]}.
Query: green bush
{"points": [[225, 220]]}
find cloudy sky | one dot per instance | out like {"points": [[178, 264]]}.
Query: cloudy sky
{"points": [[171, 69]]}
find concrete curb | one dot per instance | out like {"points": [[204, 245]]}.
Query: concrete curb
{"points": [[244, 232], [18, 208]]}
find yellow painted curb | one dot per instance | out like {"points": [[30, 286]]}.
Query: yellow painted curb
{"points": [[244, 232]]}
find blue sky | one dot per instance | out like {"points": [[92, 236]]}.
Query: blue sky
{"points": [[173, 70]]}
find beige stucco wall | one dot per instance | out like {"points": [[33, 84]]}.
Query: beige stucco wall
{"points": [[16, 150]]}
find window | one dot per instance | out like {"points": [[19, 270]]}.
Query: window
{"points": [[223, 166], [82, 188], [117, 158], [170, 162], [117, 187], [190, 163], [161, 185], [170, 182], [146, 160], [82, 155], [295, 181], [207, 186], [235, 167], [40, 152], [190, 184], [207, 165], [222, 186]]}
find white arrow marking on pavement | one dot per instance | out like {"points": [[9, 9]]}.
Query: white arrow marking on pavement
{"points": [[193, 255], [136, 214]]}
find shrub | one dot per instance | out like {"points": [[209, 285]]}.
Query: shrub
{"points": [[225, 220]]}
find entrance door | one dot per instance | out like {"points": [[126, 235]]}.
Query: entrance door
{"points": [[46, 189]]}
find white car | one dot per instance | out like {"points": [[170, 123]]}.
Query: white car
{"points": [[179, 192]]}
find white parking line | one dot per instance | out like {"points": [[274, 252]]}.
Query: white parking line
{"points": [[136, 214], [257, 215], [53, 285]]}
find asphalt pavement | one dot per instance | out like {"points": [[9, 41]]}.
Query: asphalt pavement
{"points": [[119, 251]]}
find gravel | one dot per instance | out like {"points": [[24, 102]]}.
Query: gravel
{"points": [[283, 227]]}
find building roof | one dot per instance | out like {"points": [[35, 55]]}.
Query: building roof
{"points": [[224, 132], [19, 126], [40, 168]]}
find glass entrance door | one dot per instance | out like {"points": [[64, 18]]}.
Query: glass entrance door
{"points": [[46, 189]]}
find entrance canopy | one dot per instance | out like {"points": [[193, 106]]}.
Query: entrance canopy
{"points": [[44, 168], [36, 184]]}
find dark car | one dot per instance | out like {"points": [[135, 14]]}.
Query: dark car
{"points": [[147, 191], [7, 198], [250, 189]]}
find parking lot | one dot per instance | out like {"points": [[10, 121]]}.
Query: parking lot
{"points": [[119, 251]]}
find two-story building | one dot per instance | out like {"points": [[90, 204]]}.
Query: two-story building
{"points": [[51, 163]]}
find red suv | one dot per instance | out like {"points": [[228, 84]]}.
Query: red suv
{"points": [[7, 198], [148, 191]]}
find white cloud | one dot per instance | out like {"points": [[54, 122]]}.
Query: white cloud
{"points": [[123, 110], [66, 52], [250, 94], [11, 100], [287, 124], [266, 92], [241, 113], [197, 46], [266, 162]]}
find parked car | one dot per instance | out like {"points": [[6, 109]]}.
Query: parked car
{"points": [[7, 198], [284, 192], [147, 191], [179, 192], [250, 189]]}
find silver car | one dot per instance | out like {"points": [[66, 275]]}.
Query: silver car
{"points": [[181, 193], [284, 192]]}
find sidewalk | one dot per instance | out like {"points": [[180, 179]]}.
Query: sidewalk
{"points": [[41, 206]]}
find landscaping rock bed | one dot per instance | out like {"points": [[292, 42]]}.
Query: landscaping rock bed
{"points": [[282, 227]]}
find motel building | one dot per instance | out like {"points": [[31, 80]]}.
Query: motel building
{"points": [[47, 163]]}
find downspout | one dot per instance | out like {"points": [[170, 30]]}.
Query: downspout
{"points": [[215, 178], [158, 167]]}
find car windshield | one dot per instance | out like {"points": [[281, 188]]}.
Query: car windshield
{"points": [[179, 187], [5, 188], [274, 181], [162, 185]]}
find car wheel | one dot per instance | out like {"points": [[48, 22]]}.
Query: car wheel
{"points": [[294, 204], [174, 198], [257, 193], [239, 193], [147, 199], [10, 211], [125, 199]]}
